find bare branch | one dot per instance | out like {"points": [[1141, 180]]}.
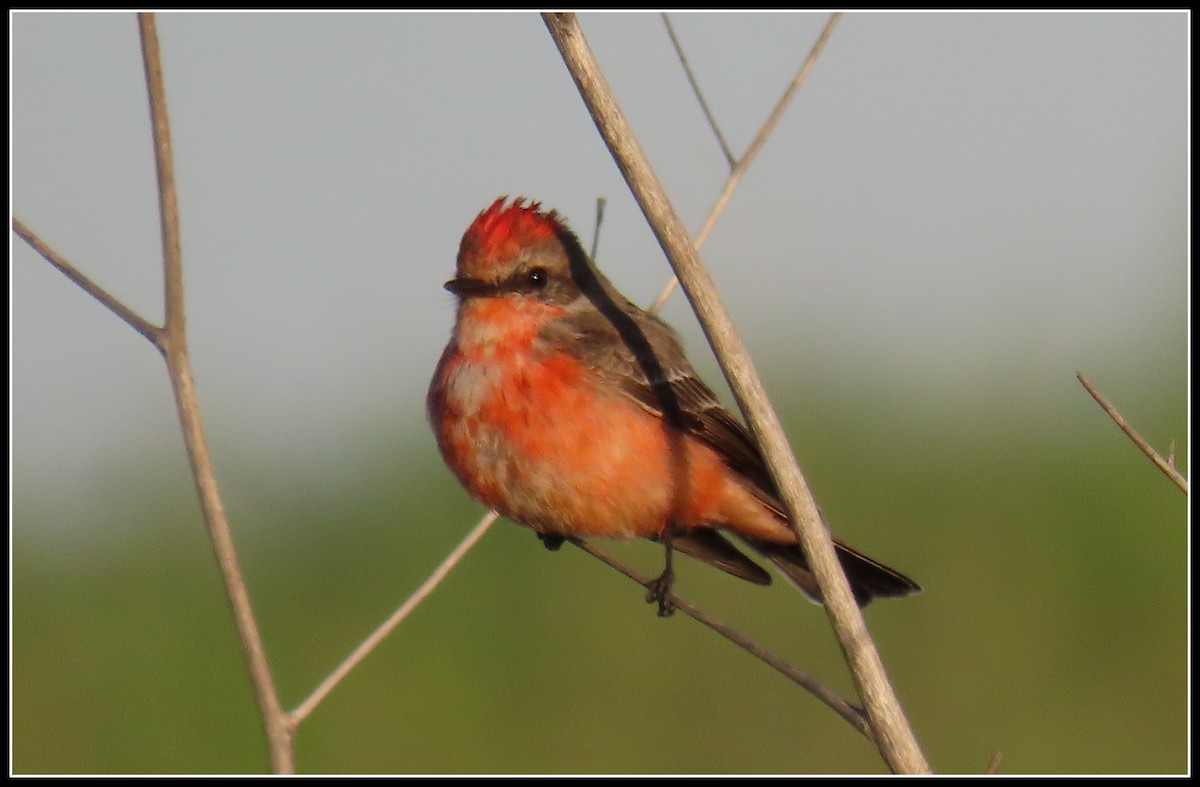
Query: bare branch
{"points": [[171, 341], [780, 106], [132, 318], [994, 766], [756, 145], [691, 78], [164, 167], [174, 348], [847, 710], [1167, 466], [305, 708], [893, 735], [600, 203]]}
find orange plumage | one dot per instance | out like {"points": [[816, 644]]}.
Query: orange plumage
{"points": [[570, 410]]}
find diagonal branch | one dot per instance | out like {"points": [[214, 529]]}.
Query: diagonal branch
{"points": [[1167, 467], [131, 318], [304, 709], [691, 78], [847, 710], [893, 735], [760, 139]]}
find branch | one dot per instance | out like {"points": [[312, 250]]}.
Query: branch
{"points": [[305, 708], [691, 78], [847, 710], [131, 318], [1168, 467], [171, 341], [600, 203], [760, 139], [173, 345], [893, 736]]}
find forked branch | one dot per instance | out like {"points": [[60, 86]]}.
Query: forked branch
{"points": [[739, 167], [171, 341]]}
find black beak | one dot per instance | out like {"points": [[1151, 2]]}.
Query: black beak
{"points": [[468, 288]]}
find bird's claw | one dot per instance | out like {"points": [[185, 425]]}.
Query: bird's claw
{"points": [[659, 590], [551, 542]]}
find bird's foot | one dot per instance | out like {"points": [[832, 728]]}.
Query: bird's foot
{"points": [[659, 591], [551, 542]]}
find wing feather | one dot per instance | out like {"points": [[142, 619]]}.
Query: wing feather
{"points": [[651, 368]]}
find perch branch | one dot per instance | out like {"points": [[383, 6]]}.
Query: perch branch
{"points": [[847, 710], [893, 736]]}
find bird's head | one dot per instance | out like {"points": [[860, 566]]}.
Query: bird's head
{"points": [[517, 249]]}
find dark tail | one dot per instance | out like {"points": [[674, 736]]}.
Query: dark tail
{"points": [[868, 578]]}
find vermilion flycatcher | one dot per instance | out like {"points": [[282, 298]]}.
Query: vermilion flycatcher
{"points": [[567, 408]]}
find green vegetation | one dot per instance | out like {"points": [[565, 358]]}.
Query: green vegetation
{"points": [[1053, 627]]}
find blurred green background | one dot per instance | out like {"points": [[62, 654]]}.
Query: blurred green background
{"points": [[1053, 627]]}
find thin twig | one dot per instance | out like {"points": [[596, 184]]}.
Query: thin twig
{"points": [[756, 145], [305, 708], [132, 318], [691, 78], [1167, 467], [174, 348], [893, 735], [847, 710], [994, 766], [600, 203]]}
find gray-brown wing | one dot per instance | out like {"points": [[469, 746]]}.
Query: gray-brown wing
{"points": [[643, 358], [710, 547], [645, 361]]}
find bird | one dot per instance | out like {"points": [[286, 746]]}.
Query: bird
{"points": [[567, 408]]}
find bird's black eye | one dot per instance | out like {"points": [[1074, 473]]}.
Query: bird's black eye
{"points": [[538, 278]]}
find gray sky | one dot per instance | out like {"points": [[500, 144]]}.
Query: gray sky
{"points": [[965, 205]]}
